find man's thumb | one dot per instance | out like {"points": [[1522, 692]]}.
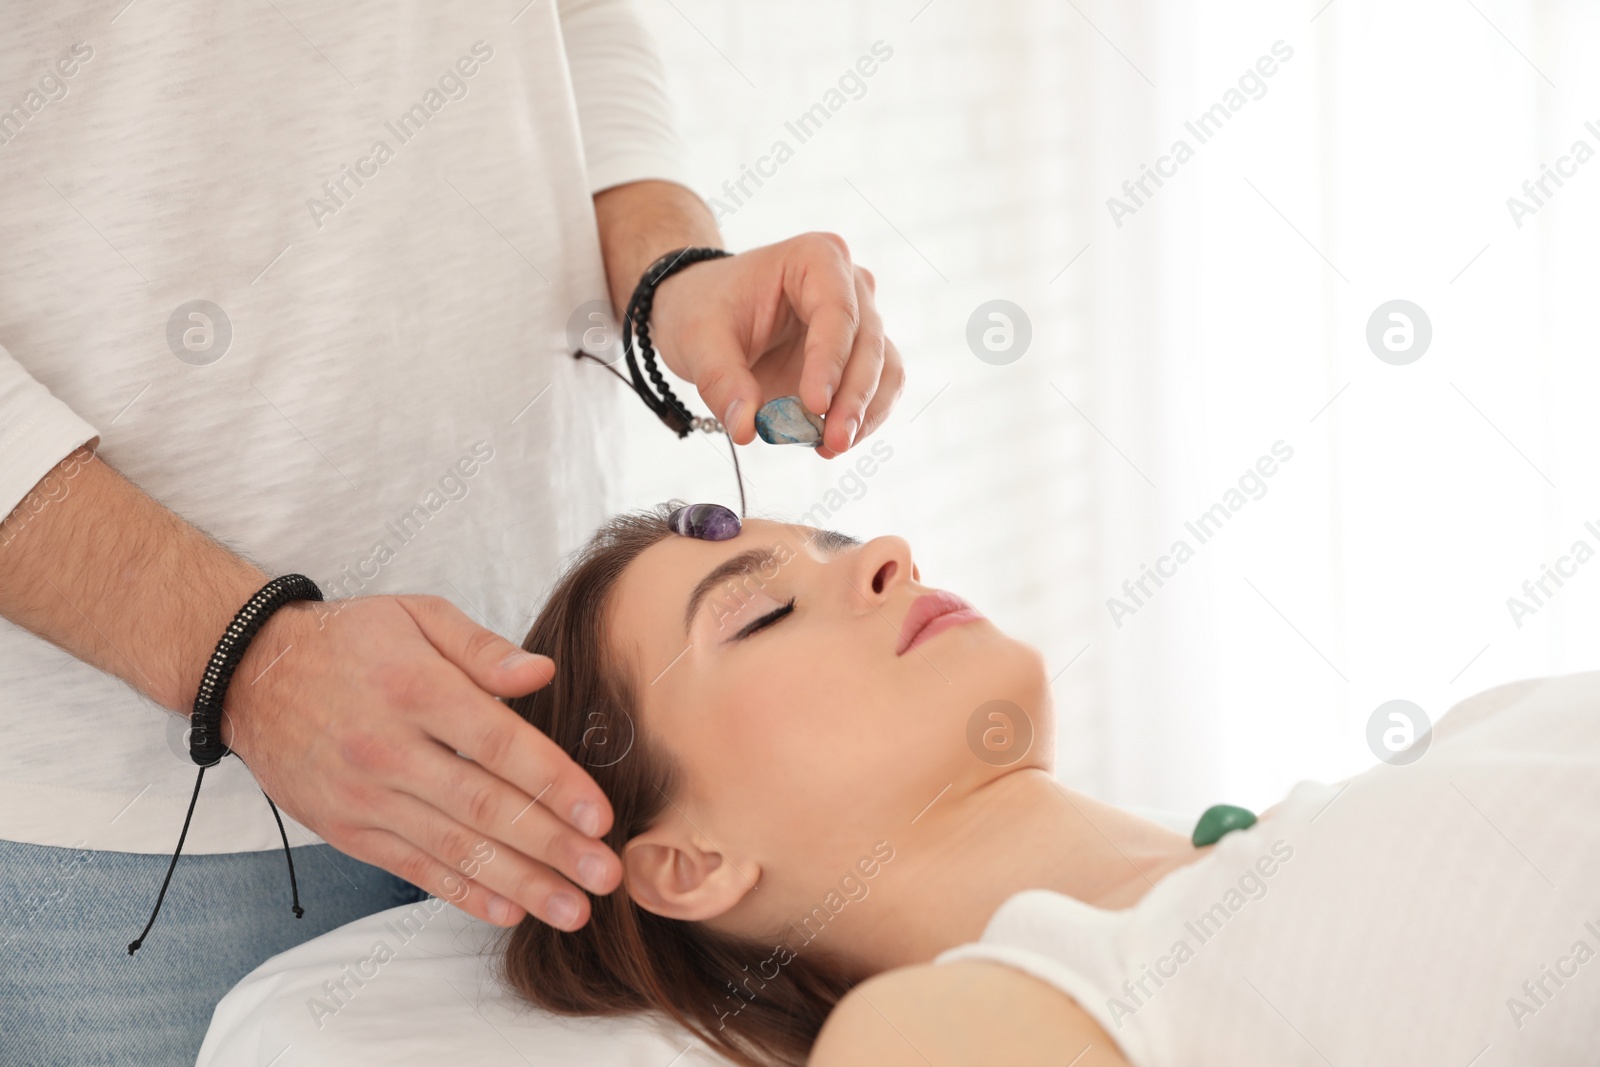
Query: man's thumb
{"points": [[728, 388], [494, 664]]}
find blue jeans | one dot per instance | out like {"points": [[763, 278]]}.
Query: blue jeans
{"points": [[71, 994]]}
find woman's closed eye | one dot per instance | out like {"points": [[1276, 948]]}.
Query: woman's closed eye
{"points": [[766, 620]]}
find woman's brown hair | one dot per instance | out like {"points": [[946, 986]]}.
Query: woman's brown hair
{"points": [[627, 959]]}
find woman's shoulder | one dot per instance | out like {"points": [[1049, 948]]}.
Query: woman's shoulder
{"points": [[956, 1013]]}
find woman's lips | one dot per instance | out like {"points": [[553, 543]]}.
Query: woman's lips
{"points": [[932, 614]]}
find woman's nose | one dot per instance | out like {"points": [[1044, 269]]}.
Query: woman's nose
{"points": [[882, 566]]}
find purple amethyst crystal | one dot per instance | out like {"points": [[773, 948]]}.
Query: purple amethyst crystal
{"points": [[708, 522]]}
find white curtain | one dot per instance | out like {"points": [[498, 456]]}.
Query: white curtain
{"points": [[1189, 338]]}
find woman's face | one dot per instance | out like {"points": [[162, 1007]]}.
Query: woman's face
{"points": [[804, 728]]}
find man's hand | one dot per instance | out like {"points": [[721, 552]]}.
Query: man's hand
{"points": [[793, 317], [351, 715]]}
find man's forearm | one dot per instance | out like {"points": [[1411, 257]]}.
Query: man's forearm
{"points": [[640, 221], [98, 568]]}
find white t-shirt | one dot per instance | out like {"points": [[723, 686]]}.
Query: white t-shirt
{"points": [[390, 202], [1446, 911]]}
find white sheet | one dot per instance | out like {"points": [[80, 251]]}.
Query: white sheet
{"points": [[433, 1001], [335, 1000]]}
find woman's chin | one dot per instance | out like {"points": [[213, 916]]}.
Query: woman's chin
{"points": [[989, 656], [1000, 688]]}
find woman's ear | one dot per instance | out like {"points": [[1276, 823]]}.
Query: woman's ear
{"points": [[673, 871]]}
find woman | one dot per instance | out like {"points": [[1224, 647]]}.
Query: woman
{"points": [[797, 738]]}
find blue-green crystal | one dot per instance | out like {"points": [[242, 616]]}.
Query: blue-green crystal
{"points": [[785, 421]]}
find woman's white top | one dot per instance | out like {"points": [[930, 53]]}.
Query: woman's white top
{"points": [[1446, 912], [386, 208]]}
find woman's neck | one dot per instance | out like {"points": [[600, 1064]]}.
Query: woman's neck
{"points": [[966, 854]]}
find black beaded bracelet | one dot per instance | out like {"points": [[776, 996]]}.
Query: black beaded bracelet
{"points": [[205, 721], [668, 408]]}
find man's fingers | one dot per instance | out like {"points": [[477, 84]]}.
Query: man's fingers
{"points": [[493, 735], [860, 380], [508, 747], [493, 867], [401, 858], [890, 385], [493, 663], [480, 803], [820, 284]]}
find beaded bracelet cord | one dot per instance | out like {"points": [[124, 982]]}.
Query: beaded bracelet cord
{"points": [[205, 722]]}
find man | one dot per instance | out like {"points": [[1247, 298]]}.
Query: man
{"points": [[289, 288]]}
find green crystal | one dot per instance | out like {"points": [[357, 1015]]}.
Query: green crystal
{"points": [[1218, 820]]}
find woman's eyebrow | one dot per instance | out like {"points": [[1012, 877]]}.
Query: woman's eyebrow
{"points": [[747, 562], [833, 540], [751, 561]]}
